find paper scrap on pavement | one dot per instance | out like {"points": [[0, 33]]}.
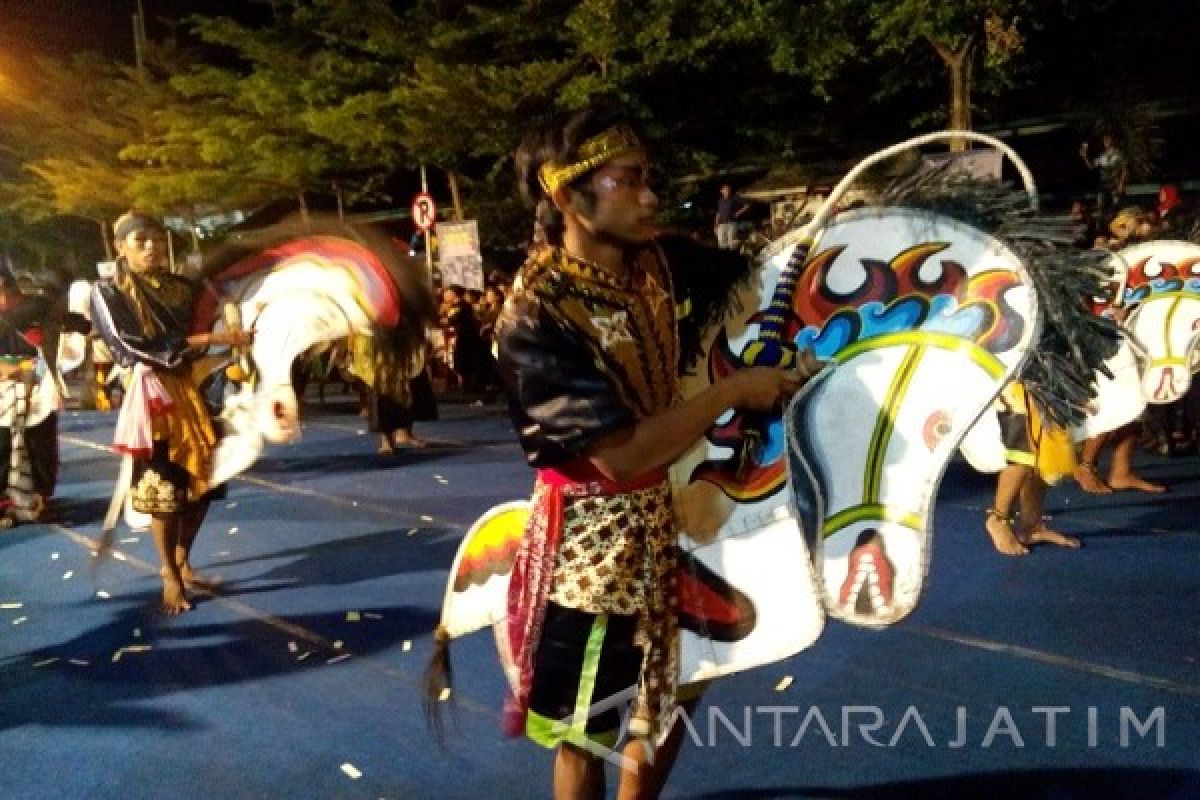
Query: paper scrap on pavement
{"points": [[103, 595], [79, 662], [353, 616], [129, 648], [406, 646], [118, 555], [784, 682], [137, 633], [445, 695], [293, 647], [338, 644], [54, 556], [45, 662], [231, 505], [304, 655], [352, 771], [372, 615], [67, 575], [426, 518], [411, 532], [233, 530], [130, 540], [336, 659], [19, 620], [11, 605]]}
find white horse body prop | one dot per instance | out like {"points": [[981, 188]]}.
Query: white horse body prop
{"points": [[836, 496]]}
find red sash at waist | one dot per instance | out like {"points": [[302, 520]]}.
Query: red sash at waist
{"points": [[580, 476]]}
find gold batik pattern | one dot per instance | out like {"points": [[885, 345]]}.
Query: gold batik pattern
{"points": [[627, 322], [618, 555]]}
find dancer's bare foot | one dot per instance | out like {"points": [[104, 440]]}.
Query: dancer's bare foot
{"points": [[1004, 539], [194, 580], [1089, 480], [406, 439], [1040, 534], [1122, 482], [174, 599]]}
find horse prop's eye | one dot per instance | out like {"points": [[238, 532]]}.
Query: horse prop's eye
{"points": [[937, 427]]}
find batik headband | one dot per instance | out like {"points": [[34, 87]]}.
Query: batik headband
{"points": [[135, 221], [594, 152]]}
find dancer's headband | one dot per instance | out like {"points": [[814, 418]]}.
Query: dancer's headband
{"points": [[135, 221], [594, 152]]}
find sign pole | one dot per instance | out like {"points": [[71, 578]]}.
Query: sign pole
{"points": [[428, 247]]}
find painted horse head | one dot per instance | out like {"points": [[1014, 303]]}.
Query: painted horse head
{"points": [[926, 319], [1162, 287], [299, 288]]}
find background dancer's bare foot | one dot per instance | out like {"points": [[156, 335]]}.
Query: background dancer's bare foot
{"points": [[1003, 538], [174, 599], [1135, 483], [1043, 535], [404, 439], [194, 580], [1089, 480]]}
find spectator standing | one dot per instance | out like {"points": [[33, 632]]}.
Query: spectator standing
{"points": [[729, 208]]}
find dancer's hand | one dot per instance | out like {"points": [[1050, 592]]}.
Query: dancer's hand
{"points": [[764, 388]]}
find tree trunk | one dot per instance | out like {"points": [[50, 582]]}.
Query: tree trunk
{"points": [[458, 211], [958, 64], [108, 253]]}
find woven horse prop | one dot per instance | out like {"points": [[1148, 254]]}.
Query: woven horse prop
{"points": [[298, 289], [827, 507]]}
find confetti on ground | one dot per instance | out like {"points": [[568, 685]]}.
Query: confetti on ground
{"points": [[336, 659], [426, 518], [19, 620], [231, 505], [103, 595], [304, 655], [293, 647], [411, 532], [443, 481], [353, 616], [406, 646], [45, 662], [130, 540], [67, 575], [11, 605], [338, 644], [79, 662], [223, 552], [129, 648], [372, 615], [351, 771], [54, 556], [784, 682], [445, 695], [233, 530], [119, 556]]}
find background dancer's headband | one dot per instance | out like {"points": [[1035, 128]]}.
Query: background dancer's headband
{"points": [[593, 152], [135, 221]]}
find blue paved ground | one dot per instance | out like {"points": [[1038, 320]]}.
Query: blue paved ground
{"points": [[244, 697]]}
